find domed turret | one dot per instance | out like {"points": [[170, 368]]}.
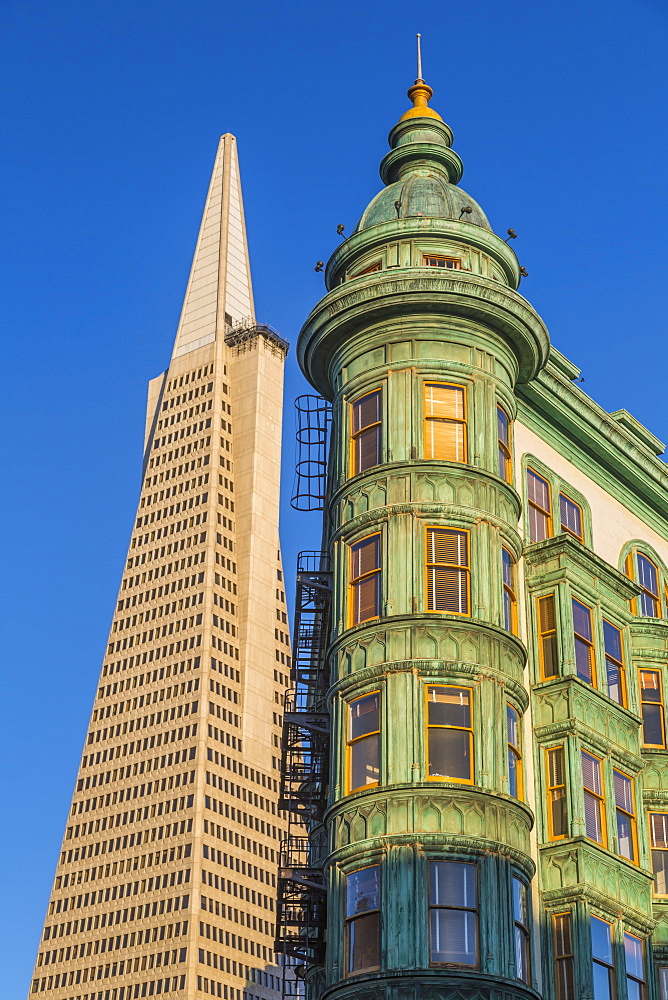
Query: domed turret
{"points": [[421, 171]]}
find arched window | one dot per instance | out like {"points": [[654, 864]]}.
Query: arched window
{"points": [[643, 567]]}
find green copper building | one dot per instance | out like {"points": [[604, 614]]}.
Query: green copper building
{"points": [[477, 739]]}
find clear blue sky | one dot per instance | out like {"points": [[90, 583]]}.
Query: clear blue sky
{"points": [[112, 113]]}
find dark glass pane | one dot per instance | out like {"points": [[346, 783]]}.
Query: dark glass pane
{"points": [[504, 462], [502, 424], [363, 891], [650, 685], [612, 639], [583, 658], [452, 883], [558, 812], [601, 940], [520, 902], [365, 762], [513, 722], [449, 706], [582, 620], [550, 661], [614, 680], [513, 774], [450, 754], [364, 716], [364, 943], [507, 568], [522, 954], [571, 516], [649, 607], [453, 936], [565, 979], [660, 868], [625, 836], [652, 717], [647, 574], [507, 611]]}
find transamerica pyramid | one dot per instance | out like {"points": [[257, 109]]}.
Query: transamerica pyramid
{"points": [[165, 884]]}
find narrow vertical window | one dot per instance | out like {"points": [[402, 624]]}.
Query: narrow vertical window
{"points": [[540, 507], [651, 707], [450, 733], [365, 579], [658, 833], [585, 660], [564, 959], [663, 982], [514, 752], [453, 916], [503, 425], [647, 577], [366, 437], [448, 570], [625, 814], [635, 967], [547, 637], [362, 924], [571, 517], [509, 593], [592, 779], [364, 742], [521, 919], [556, 791], [614, 662], [603, 964], [445, 422]]}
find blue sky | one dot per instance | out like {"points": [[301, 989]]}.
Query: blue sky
{"points": [[112, 114]]}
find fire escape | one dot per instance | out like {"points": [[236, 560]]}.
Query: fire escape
{"points": [[301, 904]]}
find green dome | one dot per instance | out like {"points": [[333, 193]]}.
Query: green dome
{"points": [[427, 194]]}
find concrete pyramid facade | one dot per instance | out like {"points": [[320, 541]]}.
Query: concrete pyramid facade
{"points": [[165, 884]]}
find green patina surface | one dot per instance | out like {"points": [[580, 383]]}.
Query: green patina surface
{"points": [[395, 328]]}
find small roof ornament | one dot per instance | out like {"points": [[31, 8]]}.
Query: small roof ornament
{"points": [[420, 93]]}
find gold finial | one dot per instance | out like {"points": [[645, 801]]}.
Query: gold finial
{"points": [[420, 93]]}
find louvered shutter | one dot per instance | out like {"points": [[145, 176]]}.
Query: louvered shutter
{"points": [[659, 829], [366, 411], [367, 449], [452, 883], [538, 490], [591, 773], [582, 620], [444, 401], [366, 556], [367, 599], [623, 792], [445, 440]]}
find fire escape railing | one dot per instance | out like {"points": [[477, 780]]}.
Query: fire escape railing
{"points": [[301, 906]]}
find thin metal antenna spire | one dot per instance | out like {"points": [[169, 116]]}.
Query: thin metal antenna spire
{"points": [[419, 58]]}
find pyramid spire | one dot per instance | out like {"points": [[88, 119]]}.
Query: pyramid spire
{"points": [[219, 289]]}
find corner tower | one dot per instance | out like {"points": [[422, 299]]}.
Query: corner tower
{"points": [[419, 344]]}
